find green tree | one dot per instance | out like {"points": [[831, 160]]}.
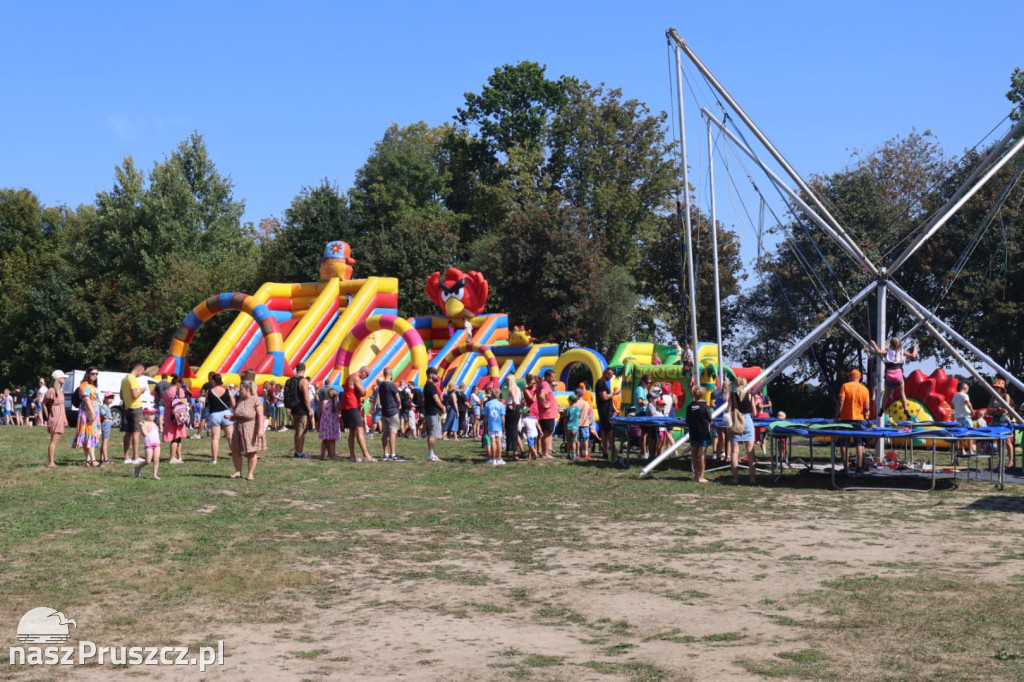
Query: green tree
{"points": [[403, 227], [317, 215], [881, 200], [1016, 94], [610, 159]]}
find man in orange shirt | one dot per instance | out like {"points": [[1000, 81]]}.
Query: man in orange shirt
{"points": [[853, 407]]}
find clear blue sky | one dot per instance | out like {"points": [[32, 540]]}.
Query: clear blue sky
{"points": [[288, 93]]}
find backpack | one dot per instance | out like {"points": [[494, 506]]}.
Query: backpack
{"points": [[76, 398], [291, 393], [180, 411]]}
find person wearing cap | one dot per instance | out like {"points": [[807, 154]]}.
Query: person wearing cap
{"points": [[54, 415], [1002, 416], [852, 408]]}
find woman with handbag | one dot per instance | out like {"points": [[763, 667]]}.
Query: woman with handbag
{"points": [[741, 409]]}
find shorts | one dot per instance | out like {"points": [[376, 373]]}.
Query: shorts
{"points": [[531, 441], [966, 422], [204, 416], [352, 418], [496, 436], [748, 431], [893, 377], [570, 436], [131, 421], [584, 434], [604, 418], [854, 442], [220, 418], [389, 424], [547, 426], [702, 443], [433, 425], [105, 430], [407, 415]]}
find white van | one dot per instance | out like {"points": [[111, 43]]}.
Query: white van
{"points": [[106, 382]]}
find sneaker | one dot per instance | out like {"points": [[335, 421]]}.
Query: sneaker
{"points": [[155, 478], [212, 461], [490, 463], [433, 458], [499, 462], [195, 436], [129, 460], [396, 458], [138, 470], [139, 460], [300, 455]]}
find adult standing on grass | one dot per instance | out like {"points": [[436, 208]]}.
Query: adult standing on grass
{"points": [[53, 413], [159, 390], [221, 403], [433, 411], [390, 403], [296, 399], [351, 413], [248, 437], [605, 411], [740, 400], [90, 433], [131, 411], [513, 404], [852, 408], [173, 432], [548, 413]]}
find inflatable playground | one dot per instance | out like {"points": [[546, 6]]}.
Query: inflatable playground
{"points": [[338, 325]]}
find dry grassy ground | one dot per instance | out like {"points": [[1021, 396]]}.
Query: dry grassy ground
{"points": [[531, 571]]}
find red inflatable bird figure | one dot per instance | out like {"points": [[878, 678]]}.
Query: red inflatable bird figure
{"points": [[460, 294]]}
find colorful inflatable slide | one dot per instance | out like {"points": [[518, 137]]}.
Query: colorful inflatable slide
{"points": [[339, 324]]}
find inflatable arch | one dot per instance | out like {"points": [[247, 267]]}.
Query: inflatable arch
{"points": [[590, 359], [389, 322], [178, 352], [492, 362]]}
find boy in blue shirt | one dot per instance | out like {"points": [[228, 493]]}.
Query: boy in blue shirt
{"points": [[494, 412], [572, 425]]}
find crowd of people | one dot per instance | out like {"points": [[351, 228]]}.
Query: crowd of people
{"points": [[513, 422]]}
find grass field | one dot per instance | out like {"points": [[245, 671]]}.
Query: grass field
{"points": [[553, 571]]}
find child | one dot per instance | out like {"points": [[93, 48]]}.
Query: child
{"points": [[330, 426], [586, 421], [572, 426], [105, 423], [151, 441], [494, 412], [530, 429], [698, 420]]}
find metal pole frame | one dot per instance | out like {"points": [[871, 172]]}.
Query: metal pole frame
{"points": [[776, 154], [692, 279], [714, 251]]}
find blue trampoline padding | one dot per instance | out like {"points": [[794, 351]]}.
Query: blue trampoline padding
{"points": [[650, 421]]}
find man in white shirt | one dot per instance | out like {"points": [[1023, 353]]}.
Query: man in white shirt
{"points": [[963, 412]]}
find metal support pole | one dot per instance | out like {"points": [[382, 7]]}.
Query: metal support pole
{"points": [[714, 252], [950, 332], [674, 36], [840, 237], [944, 217], [686, 206], [879, 387]]}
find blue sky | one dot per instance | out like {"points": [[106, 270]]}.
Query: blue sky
{"points": [[288, 93]]}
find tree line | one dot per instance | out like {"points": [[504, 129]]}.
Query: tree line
{"points": [[564, 194]]}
